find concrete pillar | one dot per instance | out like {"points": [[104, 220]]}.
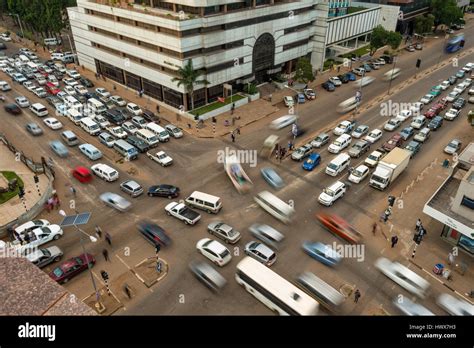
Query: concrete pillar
{"points": [[356, 42]]}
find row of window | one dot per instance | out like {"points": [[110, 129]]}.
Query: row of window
{"points": [[232, 25]]}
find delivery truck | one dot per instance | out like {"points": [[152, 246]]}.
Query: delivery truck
{"points": [[389, 168]]}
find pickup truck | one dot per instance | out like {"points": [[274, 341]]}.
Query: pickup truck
{"points": [[183, 213], [160, 157]]}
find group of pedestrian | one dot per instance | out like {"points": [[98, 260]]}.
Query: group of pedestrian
{"points": [[53, 202], [280, 152]]}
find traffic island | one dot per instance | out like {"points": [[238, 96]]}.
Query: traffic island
{"points": [[149, 272], [107, 304]]}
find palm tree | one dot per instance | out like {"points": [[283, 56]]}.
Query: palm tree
{"points": [[189, 78]]}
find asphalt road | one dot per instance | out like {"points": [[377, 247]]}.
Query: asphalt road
{"points": [[196, 168]]}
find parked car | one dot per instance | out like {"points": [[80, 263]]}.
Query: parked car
{"points": [[322, 253], [302, 152], [351, 76], [459, 103], [360, 131], [392, 124], [435, 123], [163, 190], [106, 139], [214, 251], [43, 257], [174, 131], [289, 101], [332, 193], [344, 127], [428, 98], [129, 127], [373, 159], [395, 141], [407, 132], [335, 81], [309, 93], [343, 78], [72, 267], [300, 98], [224, 231], [413, 146], [359, 148], [131, 187], [328, 86], [453, 147], [320, 140], [272, 178], [422, 135], [311, 162], [373, 136], [118, 100], [260, 252], [451, 114], [102, 92], [53, 123], [410, 48]]}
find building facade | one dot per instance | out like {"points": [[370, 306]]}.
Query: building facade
{"points": [[453, 203], [142, 44]]}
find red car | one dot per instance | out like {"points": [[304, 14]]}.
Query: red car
{"points": [[52, 89], [339, 227], [82, 174], [432, 112], [71, 268], [442, 102], [395, 141]]}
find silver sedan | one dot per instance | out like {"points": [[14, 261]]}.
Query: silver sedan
{"points": [[115, 201]]}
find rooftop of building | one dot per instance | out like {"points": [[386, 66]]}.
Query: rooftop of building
{"points": [[27, 290], [443, 199]]}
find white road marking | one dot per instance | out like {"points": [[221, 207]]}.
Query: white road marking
{"points": [[126, 265]]}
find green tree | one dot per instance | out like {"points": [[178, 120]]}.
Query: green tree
{"points": [[304, 70], [188, 78], [424, 24], [445, 12], [394, 39], [378, 38]]}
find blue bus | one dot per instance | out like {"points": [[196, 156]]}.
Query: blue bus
{"points": [[455, 44]]}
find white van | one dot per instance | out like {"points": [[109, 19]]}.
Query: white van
{"points": [[72, 102], [59, 67], [96, 106], [23, 59], [57, 56], [275, 206], [75, 116], [33, 67], [340, 143], [204, 201], [90, 126], [125, 149], [159, 131], [52, 41], [105, 172], [338, 164], [148, 137], [39, 109]]}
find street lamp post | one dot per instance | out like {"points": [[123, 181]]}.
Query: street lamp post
{"points": [[100, 307], [19, 22]]}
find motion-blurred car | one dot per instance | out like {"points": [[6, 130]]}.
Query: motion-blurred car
{"points": [[283, 121], [267, 234], [455, 306], [115, 201], [72, 267], [34, 129], [323, 253], [59, 148], [272, 178], [82, 174], [13, 109], [411, 308], [154, 233], [340, 227], [224, 231], [207, 275]]}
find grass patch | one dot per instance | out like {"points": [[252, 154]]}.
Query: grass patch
{"points": [[9, 195], [355, 9], [358, 52], [216, 105]]}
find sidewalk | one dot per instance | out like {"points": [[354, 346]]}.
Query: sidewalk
{"points": [[14, 207]]}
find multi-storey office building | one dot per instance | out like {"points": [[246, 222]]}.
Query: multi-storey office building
{"points": [[142, 44]]}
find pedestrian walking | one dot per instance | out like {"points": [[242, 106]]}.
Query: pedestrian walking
{"points": [[277, 147], [114, 86], [73, 191], [238, 130], [394, 241], [105, 253], [450, 258], [338, 69], [108, 238], [356, 296], [283, 150], [157, 109], [233, 137], [384, 217], [290, 145], [418, 225], [127, 291], [98, 231], [374, 228], [233, 119]]}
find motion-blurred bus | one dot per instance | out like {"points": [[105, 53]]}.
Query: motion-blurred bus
{"points": [[455, 44]]}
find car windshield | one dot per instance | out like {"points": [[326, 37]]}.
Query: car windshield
{"points": [[357, 173], [336, 143], [332, 166], [329, 192], [58, 272], [310, 161], [224, 253], [318, 139], [372, 157], [359, 129], [372, 135]]}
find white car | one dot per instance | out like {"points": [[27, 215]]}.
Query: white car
{"points": [[161, 157], [416, 108], [358, 174], [174, 131], [404, 115], [53, 79], [332, 193], [102, 92], [134, 109], [139, 121], [283, 121], [102, 121], [373, 136], [422, 135], [452, 96], [392, 124], [22, 101], [335, 81], [5, 37], [70, 82], [471, 91], [343, 127], [455, 306], [451, 114], [31, 225], [340, 143], [41, 235], [73, 74], [40, 92], [289, 101], [29, 86], [20, 78], [118, 100], [467, 82], [129, 127], [460, 88], [374, 158], [214, 251], [360, 131], [53, 123], [453, 147], [411, 308], [445, 85], [115, 201], [70, 90], [427, 99], [80, 89], [403, 276], [117, 132], [418, 122]]}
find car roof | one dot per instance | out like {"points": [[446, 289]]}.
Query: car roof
{"points": [[216, 246]]}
